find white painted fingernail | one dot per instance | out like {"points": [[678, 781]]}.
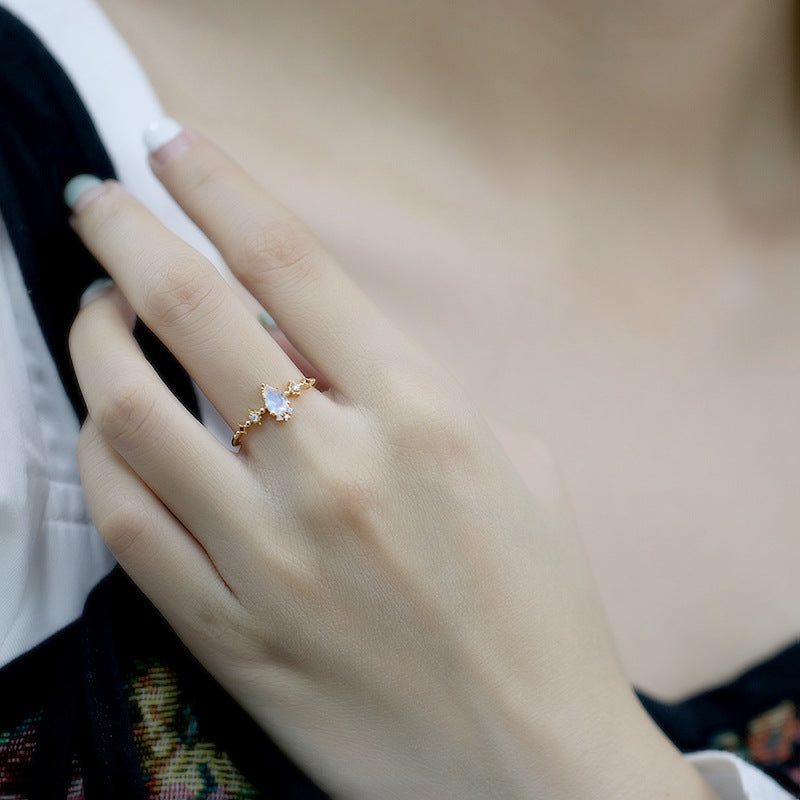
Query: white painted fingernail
{"points": [[267, 321], [81, 190], [165, 139], [95, 289], [159, 132]]}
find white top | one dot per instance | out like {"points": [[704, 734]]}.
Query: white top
{"points": [[734, 779], [50, 555]]}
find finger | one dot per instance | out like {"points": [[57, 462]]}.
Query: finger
{"points": [[162, 442], [300, 361], [184, 300], [324, 314], [161, 557]]}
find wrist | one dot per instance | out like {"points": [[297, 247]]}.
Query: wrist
{"points": [[595, 744], [621, 754]]}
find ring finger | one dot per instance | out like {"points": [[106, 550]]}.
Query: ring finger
{"points": [[183, 299], [164, 444]]}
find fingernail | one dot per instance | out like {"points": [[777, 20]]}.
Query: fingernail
{"points": [[267, 321], [95, 289], [165, 139], [81, 190]]}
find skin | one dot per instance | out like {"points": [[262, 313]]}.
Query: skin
{"points": [[373, 581], [623, 201]]}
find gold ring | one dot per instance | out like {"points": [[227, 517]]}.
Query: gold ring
{"points": [[276, 405]]}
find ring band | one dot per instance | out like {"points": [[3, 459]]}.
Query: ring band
{"points": [[276, 405]]}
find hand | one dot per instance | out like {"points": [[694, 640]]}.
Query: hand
{"points": [[371, 579]]}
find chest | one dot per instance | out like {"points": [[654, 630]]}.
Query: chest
{"points": [[679, 442]]}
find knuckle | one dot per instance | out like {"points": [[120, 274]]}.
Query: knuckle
{"points": [[180, 292], [283, 247], [354, 498], [210, 622], [431, 423], [123, 527], [127, 409], [422, 412]]}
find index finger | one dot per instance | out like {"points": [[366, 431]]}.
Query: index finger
{"points": [[320, 309]]}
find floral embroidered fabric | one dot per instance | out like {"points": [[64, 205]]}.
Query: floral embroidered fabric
{"points": [[114, 706]]}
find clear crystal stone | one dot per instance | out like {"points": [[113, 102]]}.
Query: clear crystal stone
{"points": [[254, 416], [276, 403]]}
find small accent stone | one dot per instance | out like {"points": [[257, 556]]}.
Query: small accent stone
{"points": [[255, 416]]}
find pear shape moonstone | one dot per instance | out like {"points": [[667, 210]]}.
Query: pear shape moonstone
{"points": [[276, 403]]}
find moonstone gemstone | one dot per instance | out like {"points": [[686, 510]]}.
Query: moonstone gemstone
{"points": [[276, 403]]}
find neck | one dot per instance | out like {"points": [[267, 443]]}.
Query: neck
{"points": [[689, 87], [686, 80]]}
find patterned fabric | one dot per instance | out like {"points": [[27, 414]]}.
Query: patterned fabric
{"points": [[17, 759], [116, 707], [17, 747], [175, 758]]}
